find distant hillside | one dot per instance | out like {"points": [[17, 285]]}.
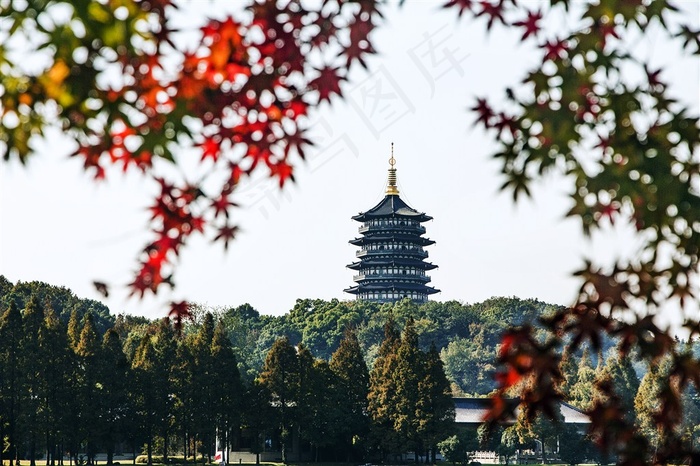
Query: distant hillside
{"points": [[61, 299]]}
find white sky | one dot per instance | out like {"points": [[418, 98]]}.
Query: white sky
{"points": [[58, 226]]}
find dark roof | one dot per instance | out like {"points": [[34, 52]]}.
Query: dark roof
{"points": [[379, 261], [392, 237], [392, 287], [474, 410], [392, 206]]}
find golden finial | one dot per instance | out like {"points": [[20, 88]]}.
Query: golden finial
{"points": [[391, 188]]}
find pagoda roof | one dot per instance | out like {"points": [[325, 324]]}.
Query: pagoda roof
{"points": [[392, 287], [392, 206], [395, 237], [379, 261]]}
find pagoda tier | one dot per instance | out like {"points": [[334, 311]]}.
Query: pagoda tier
{"points": [[379, 261], [392, 263]]}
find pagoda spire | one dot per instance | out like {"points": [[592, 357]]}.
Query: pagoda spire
{"points": [[391, 188]]}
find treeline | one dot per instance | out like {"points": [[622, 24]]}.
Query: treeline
{"points": [[68, 387], [76, 379]]}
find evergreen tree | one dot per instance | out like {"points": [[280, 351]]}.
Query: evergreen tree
{"points": [[647, 403], [227, 387], [280, 376], [306, 395], [259, 417], [435, 409], [30, 378], [185, 394], [325, 420], [113, 399], [582, 392], [165, 352], [620, 372], [348, 365], [10, 337], [204, 418], [74, 328], [410, 371], [55, 365], [88, 353], [382, 396], [569, 372], [146, 397]]}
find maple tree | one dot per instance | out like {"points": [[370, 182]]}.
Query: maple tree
{"points": [[603, 117], [114, 81], [592, 110]]}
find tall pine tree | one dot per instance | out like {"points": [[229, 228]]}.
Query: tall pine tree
{"points": [[10, 337], [348, 365], [409, 372], [280, 375], [435, 410], [382, 397]]}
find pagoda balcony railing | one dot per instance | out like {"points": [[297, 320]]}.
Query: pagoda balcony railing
{"points": [[412, 228], [391, 252], [392, 276]]}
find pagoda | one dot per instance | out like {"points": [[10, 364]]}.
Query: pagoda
{"points": [[392, 263]]}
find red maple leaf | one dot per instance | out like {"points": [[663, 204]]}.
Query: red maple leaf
{"points": [[179, 312], [530, 24], [555, 49], [327, 83], [463, 5], [494, 11], [653, 77], [235, 173], [359, 40], [211, 148], [222, 204], [283, 171], [91, 159], [226, 234], [296, 141], [485, 112]]}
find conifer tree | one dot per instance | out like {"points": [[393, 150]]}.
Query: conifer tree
{"points": [[280, 375], [204, 418], [409, 373], [435, 409], [348, 365], [10, 337], [259, 416], [144, 366], [619, 371], [88, 353], [306, 395], [325, 419], [582, 392], [55, 365], [227, 387], [647, 402], [382, 397], [185, 393], [165, 352], [113, 398], [74, 328], [28, 421], [569, 372]]}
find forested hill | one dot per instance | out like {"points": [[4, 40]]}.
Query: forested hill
{"points": [[61, 299], [466, 335]]}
